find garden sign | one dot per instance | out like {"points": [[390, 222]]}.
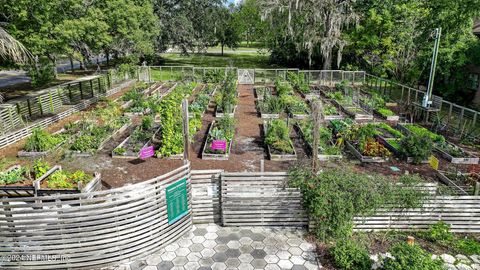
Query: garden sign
{"points": [[147, 152], [177, 200], [219, 145]]}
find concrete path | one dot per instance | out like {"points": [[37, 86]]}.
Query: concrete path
{"points": [[211, 247]]}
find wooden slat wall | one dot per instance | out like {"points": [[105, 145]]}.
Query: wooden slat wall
{"points": [[20, 134], [9, 118], [91, 230], [461, 212], [260, 199], [206, 196]]}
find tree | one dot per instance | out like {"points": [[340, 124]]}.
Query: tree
{"points": [[225, 29], [12, 49], [313, 25], [248, 21]]}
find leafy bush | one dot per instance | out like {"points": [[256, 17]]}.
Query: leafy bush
{"points": [[61, 179], [41, 75], [421, 131], [410, 257], [329, 110], [418, 147], [350, 255], [271, 105], [283, 88], [385, 112], [467, 246], [40, 167], [440, 231], [13, 176], [333, 198], [326, 145], [41, 141], [278, 136], [298, 81]]}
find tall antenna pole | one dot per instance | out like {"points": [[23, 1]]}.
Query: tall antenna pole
{"points": [[428, 96]]}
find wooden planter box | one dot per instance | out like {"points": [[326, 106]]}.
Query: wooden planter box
{"points": [[218, 114], [279, 157], [132, 114], [393, 118], [44, 153], [457, 160], [269, 116], [387, 103], [333, 117], [126, 156], [94, 185], [209, 156], [363, 158], [156, 141], [299, 116], [320, 156], [114, 134], [17, 191], [394, 150], [357, 116]]}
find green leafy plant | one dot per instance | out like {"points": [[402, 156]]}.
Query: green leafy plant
{"points": [[385, 112], [13, 176], [278, 136], [41, 141], [40, 168], [410, 257], [350, 255], [418, 147], [119, 151], [440, 231], [421, 131], [330, 110]]}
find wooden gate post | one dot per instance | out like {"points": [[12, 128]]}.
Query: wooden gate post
{"points": [[185, 130]]}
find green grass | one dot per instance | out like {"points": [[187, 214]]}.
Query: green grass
{"points": [[240, 60]]}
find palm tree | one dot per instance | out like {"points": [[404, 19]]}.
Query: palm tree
{"points": [[10, 48]]}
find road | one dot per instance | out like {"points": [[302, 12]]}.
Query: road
{"points": [[12, 77]]}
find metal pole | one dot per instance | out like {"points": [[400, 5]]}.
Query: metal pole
{"points": [[427, 99], [185, 131]]}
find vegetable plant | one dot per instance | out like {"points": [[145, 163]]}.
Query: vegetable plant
{"points": [[327, 145], [418, 147], [278, 137], [41, 141], [223, 129]]}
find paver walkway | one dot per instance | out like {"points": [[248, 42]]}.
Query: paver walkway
{"points": [[220, 248]]}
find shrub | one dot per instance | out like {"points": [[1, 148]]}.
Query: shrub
{"points": [[41, 75], [440, 231], [40, 141], [278, 136], [419, 147], [407, 257], [349, 254], [467, 246]]}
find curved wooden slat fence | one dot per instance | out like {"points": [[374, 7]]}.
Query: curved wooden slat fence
{"points": [[90, 230]]}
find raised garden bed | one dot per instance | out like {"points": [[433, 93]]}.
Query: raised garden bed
{"points": [[41, 143], [327, 147], [270, 107], [202, 101], [92, 141], [219, 113], [17, 181], [57, 181], [141, 137], [447, 150], [277, 138], [353, 111], [386, 114], [219, 131], [363, 158], [262, 92], [362, 141], [330, 112]]}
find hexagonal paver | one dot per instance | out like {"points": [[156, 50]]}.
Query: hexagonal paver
{"points": [[206, 262], [205, 268], [305, 246], [284, 255], [234, 236], [258, 263], [154, 259], [299, 267], [172, 247], [211, 236], [220, 248], [285, 264], [257, 237], [207, 252], [196, 247], [269, 241], [219, 257], [192, 265], [245, 258], [185, 242], [137, 265], [294, 242], [198, 239], [194, 257], [297, 260], [311, 266], [258, 253], [165, 265], [271, 259], [272, 267], [282, 246], [245, 266], [168, 256], [180, 261], [183, 252], [150, 267], [212, 228], [245, 249], [245, 232], [222, 239], [257, 245], [219, 266], [232, 253], [232, 262], [271, 250], [309, 256], [209, 244], [188, 235], [245, 240], [234, 244], [200, 232], [295, 251]]}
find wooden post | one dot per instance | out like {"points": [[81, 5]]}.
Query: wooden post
{"points": [[316, 113], [186, 143], [410, 240], [476, 191], [262, 165]]}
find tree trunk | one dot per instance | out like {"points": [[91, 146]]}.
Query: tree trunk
{"points": [[53, 59], [107, 54], [71, 63], [222, 48], [327, 61]]}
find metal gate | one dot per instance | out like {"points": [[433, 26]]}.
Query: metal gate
{"points": [[246, 76]]}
